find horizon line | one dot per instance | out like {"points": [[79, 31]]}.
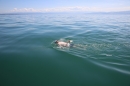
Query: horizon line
{"points": [[67, 12], [67, 9]]}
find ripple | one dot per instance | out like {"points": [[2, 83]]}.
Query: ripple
{"points": [[110, 67]]}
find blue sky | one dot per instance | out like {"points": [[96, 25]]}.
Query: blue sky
{"points": [[7, 6]]}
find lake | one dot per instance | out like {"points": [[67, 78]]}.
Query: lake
{"points": [[101, 56]]}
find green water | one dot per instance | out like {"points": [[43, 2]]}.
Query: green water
{"points": [[101, 56]]}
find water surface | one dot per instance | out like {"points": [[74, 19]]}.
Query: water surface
{"points": [[101, 56]]}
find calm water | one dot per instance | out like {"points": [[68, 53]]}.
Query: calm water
{"points": [[101, 56]]}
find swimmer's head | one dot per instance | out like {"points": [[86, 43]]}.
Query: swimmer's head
{"points": [[69, 41]]}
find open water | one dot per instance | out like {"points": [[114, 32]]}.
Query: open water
{"points": [[28, 56]]}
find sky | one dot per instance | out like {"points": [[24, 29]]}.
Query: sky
{"points": [[10, 6]]}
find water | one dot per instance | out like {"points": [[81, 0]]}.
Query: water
{"points": [[101, 56]]}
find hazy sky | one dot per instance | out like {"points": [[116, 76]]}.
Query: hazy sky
{"points": [[63, 5]]}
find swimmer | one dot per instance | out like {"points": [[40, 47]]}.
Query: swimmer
{"points": [[64, 44]]}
